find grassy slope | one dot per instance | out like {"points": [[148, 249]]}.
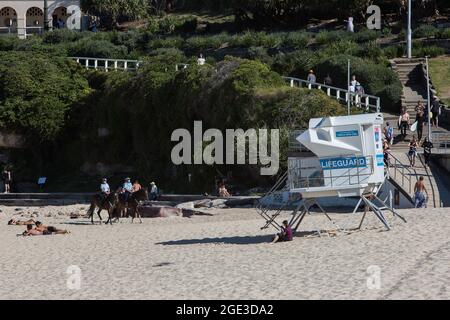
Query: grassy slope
{"points": [[440, 74]]}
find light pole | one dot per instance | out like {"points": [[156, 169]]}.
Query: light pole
{"points": [[348, 87], [429, 101], [46, 27], [409, 32]]}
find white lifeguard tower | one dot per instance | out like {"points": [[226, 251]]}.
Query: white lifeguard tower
{"points": [[348, 162]]}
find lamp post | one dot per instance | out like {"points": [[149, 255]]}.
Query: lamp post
{"points": [[348, 87], [46, 26], [409, 32], [429, 99]]}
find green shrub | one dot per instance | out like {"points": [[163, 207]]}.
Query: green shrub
{"points": [[37, 92], [169, 42], [327, 37], [425, 31], [370, 50], [343, 46], [189, 25], [365, 36], [443, 33], [199, 44], [296, 40], [392, 52], [61, 36], [430, 51], [296, 63], [257, 39], [98, 49]]}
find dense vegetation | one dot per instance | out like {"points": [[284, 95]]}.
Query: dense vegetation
{"points": [[74, 118]]}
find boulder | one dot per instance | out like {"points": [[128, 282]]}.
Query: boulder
{"points": [[160, 212]]}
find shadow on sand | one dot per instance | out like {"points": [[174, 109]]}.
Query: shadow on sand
{"points": [[225, 240], [243, 240]]}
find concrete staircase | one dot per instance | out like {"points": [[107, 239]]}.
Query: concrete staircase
{"points": [[410, 73]]}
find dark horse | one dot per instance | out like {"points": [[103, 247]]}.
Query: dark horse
{"points": [[108, 204], [132, 203]]}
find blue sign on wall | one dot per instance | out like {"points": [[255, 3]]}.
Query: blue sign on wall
{"points": [[380, 160], [343, 163], [344, 134]]}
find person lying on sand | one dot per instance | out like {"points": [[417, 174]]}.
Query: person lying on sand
{"points": [[15, 222], [48, 230], [285, 234], [31, 231]]}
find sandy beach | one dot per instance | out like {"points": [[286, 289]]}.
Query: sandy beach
{"points": [[225, 256]]}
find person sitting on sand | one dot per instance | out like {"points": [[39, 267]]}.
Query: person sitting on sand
{"points": [[48, 230], [15, 222], [285, 234], [223, 192], [31, 231]]}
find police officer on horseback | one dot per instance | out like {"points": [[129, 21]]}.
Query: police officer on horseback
{"points": [[104, 190], [127, 189]]}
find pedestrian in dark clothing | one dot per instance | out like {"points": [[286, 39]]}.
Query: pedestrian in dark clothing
{"points": [[427, 146]]}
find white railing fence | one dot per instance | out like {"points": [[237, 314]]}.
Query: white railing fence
{"points": [[23, 31], [108, 64], [365, 101]]}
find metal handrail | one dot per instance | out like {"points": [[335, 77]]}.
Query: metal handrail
{"points": [[340, 94], [441, 141], [399, 171]]}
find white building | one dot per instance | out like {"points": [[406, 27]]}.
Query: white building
{"points": [[24, 17]]}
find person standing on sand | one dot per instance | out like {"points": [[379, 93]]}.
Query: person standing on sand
{"points": [[286, 233], [153, 191], [420, 194], [6, 176]]}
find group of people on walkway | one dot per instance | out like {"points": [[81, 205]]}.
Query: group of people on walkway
{"points": [[405, 124]]}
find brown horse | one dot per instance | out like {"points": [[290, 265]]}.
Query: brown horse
{"points": [[132, 204], [108, 204]]}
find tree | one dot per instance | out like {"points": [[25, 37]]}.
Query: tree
{"points": [[111, 11], [36, 93]]}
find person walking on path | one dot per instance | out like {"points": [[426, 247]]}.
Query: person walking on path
{"points": [[420, 119], [404, 122], [420, 194], [389, 133], [311, 77], [436, 112], [427, 147], [412, 154]]}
